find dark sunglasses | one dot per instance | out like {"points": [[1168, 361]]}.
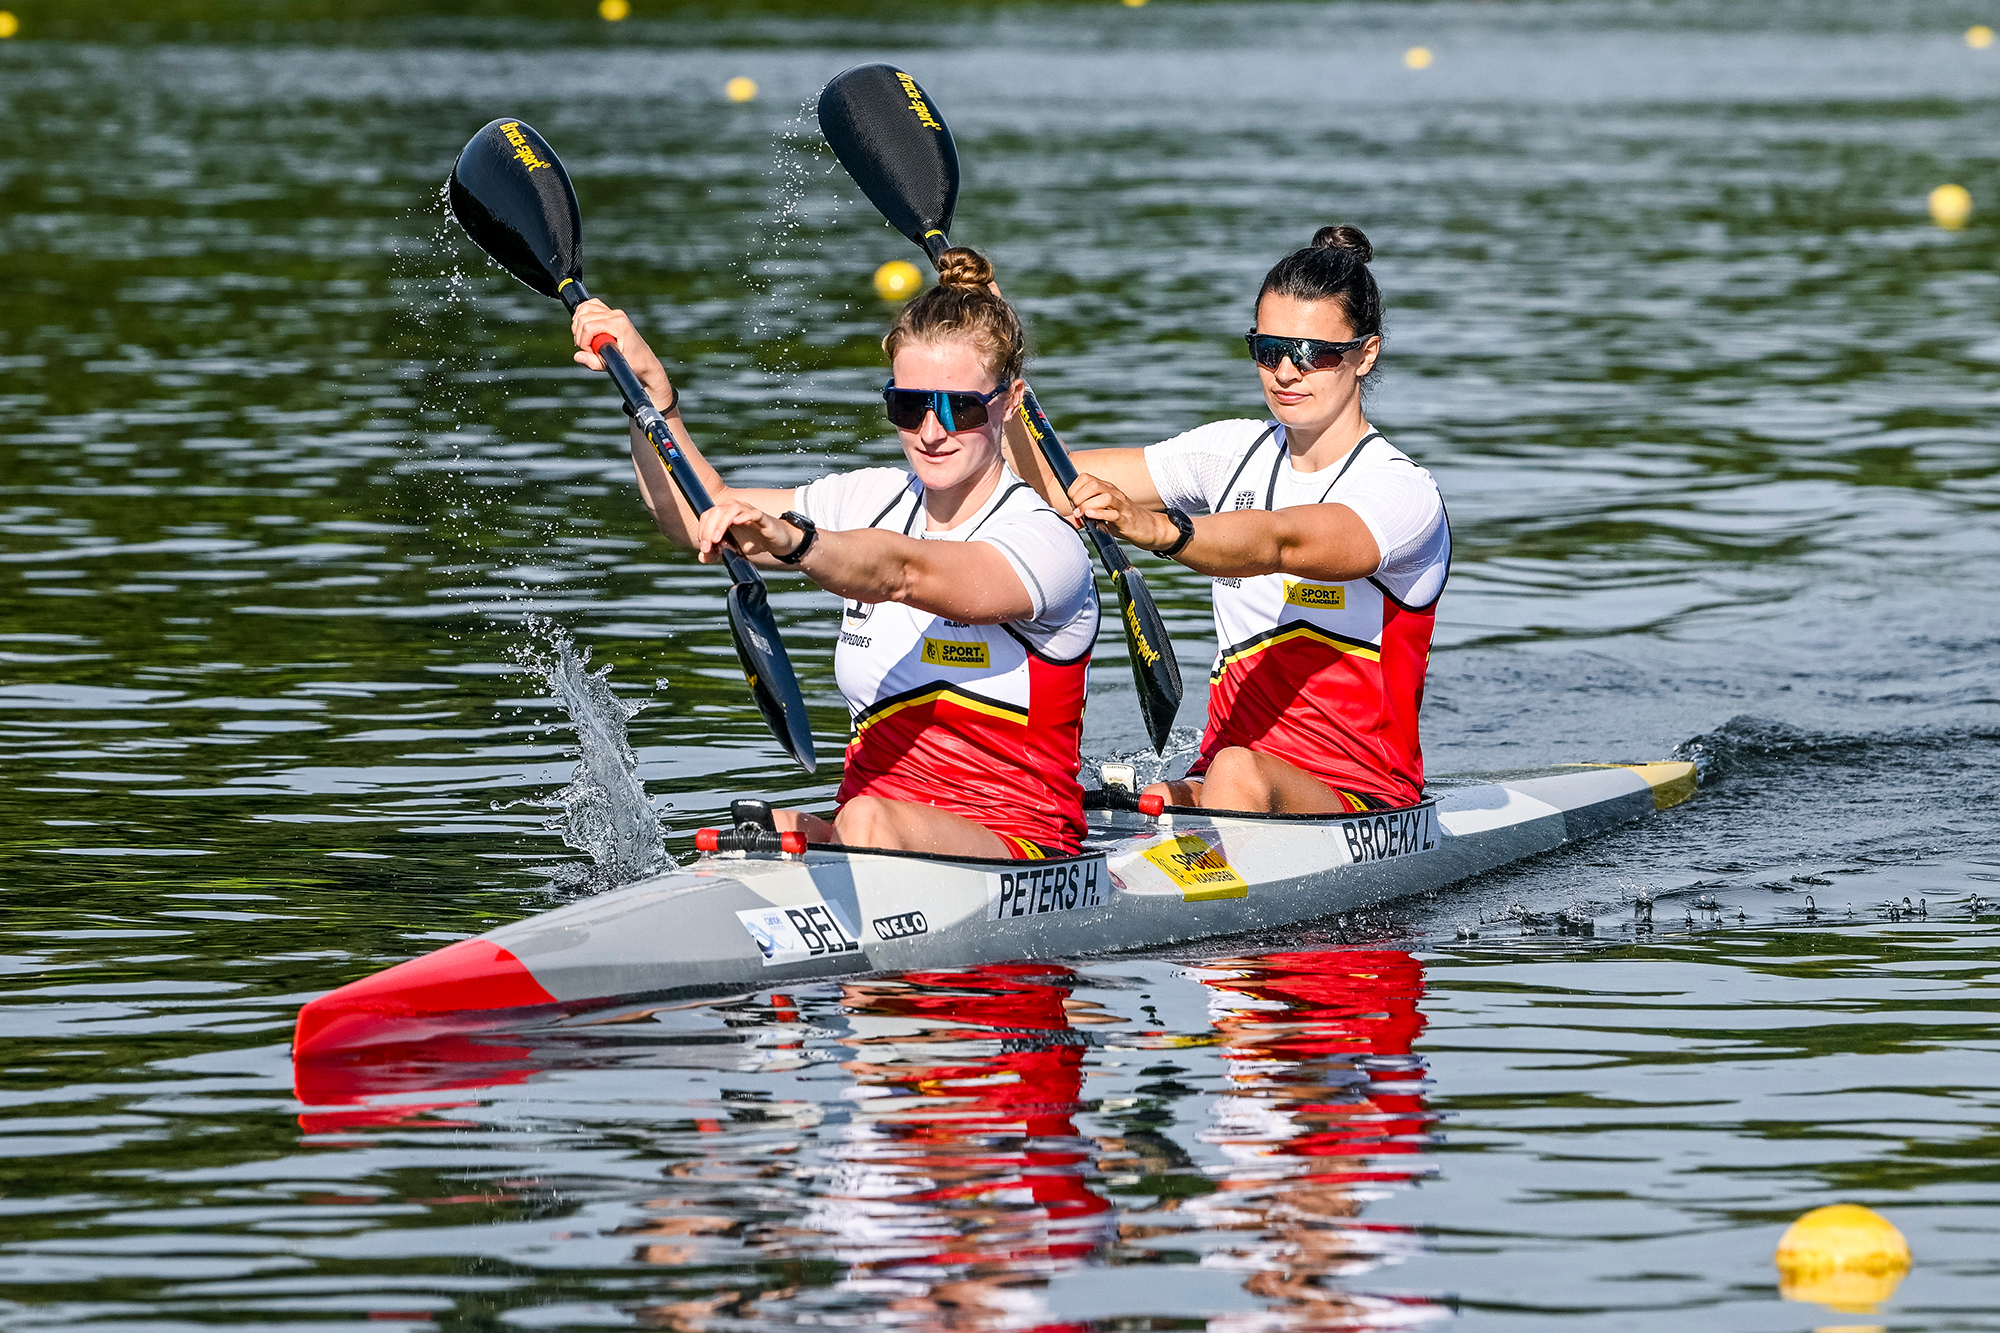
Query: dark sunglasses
{"points": [[955, 410], [1268, 349]]}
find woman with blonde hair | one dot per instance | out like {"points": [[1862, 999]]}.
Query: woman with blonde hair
{"points": [[970, 605]]}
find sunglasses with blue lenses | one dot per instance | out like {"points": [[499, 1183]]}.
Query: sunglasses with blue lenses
{"points": [[956, 410], [1268, 350]]}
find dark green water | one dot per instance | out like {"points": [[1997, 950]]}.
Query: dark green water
{"points": [[1713, 405]]}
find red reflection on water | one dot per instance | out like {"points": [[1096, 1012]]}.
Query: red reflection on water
{"points": [[1325, 1097], [961, 1150], [961, 1182], [351, 1080]]}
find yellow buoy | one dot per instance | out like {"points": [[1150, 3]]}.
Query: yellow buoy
{"points": [[740, 89], [614, 11], [9, 25], [1134, 4], [1979, 36], [897, 280], [1844, 1256], [1418, 57], [1951, 206]]}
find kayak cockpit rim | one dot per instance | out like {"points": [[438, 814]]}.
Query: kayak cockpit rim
{"points": [[1116, 800], [1189, 811], [1275, 817]]}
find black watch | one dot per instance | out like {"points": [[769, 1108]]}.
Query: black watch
{"points": [[805, 525], [1186, 525]]}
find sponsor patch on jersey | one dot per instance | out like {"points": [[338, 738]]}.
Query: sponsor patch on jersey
{"points": [[957, 653], [1245, 499], [796, 934], [1202, 871], [1317, 596], [1036, 890], [901, 926], [1385, 837]]}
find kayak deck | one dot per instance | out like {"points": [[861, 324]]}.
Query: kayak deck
{"points": [[735, 919]]}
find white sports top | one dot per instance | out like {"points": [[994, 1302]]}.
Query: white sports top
{"points": [[1326, 676], [982, 720]]}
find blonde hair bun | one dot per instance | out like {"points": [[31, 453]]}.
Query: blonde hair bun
{"points": [[963, 307], [962, 266]]}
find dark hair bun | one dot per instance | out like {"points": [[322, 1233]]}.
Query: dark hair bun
{"points": [[1333, 268], [962, 266], [1349, 239]]}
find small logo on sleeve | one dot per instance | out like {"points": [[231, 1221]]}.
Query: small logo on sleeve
{"points": [[955, 653]]}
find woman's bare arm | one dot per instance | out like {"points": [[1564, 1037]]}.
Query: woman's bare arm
{"points": [[671, 512], [1124, 468], [970, 582], [1327, 542]]}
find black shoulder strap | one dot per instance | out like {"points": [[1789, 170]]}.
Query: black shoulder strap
{"points": [[894, 500], [1271, 490], [1352, 454], [1244, 462], [998, 505]]}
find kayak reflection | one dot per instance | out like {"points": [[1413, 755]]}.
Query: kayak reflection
{"points": [[1323, 1111], [948, 1170], [961, 1178]]}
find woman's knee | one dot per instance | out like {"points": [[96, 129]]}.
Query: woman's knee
{"points": [[1233, 765], [865, 820], [799, 821]]}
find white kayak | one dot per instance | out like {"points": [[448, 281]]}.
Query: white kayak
{"points": [[735, 920]]}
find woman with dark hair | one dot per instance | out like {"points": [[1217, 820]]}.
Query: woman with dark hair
{"points": [[1328, 548], [971, 608]]}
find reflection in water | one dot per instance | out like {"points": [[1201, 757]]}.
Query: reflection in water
{"points": [[1325, 1107], [961, 1176], [960, 1188]]}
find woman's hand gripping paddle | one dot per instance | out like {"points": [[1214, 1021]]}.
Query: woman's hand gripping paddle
{"points": [[511, 195], [888, 134]]}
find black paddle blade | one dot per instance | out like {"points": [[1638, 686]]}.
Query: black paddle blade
{"points": [[767, 668], [1155, 671], [888, 134], [509, 191]]}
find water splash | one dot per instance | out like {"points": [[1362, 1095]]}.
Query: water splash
{"points": [[605, 811], [1183, 744]]}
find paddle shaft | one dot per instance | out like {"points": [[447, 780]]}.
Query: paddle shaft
{"points": [[1049, 443], [1057, 457], [1155, 671], [655, 427]]}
